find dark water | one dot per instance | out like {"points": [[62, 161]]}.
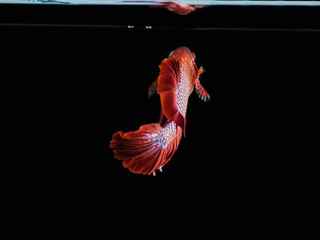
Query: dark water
{"points": [[74, 86]]}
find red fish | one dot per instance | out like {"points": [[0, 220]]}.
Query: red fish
{"points": [[180, 8], [153, 145]]}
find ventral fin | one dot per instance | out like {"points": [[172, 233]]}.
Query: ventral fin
{"points": [[152, 89]]}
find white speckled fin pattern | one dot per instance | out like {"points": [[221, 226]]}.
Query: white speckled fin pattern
{"points": [[202, 93], [147, 149]]}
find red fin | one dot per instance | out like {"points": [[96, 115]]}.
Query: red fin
{"points": [[167, 80], [199, 6], [152, 88], [202, 93], [181, 122], [168, 105], [201, 70], [141, 151], [166, 87], [180, 8]]}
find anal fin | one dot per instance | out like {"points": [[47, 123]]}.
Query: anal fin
{"points": [[181, 122]]}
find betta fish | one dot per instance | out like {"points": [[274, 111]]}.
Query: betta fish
{"points": [[180, 8], [177, 7], [148, 149]]}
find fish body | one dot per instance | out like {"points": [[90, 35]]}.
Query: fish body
{"points": [[153, 145], [177, 7], [180, 8]]}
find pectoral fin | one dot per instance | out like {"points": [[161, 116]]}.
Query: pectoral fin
{"points": [[202, 93]]}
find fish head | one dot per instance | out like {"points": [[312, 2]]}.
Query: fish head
{"points": [[182, 52]]}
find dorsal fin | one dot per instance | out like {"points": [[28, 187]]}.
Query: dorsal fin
{"points": [[167, 86], [167, 79]]}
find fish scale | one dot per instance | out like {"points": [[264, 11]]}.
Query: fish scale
{"points": [[184, 86], [183, 92], [167, 135]]}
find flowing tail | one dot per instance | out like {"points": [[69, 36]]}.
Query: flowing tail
{"points": [[147, 149]]}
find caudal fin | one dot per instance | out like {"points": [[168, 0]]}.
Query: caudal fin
{"points": [[147, 149]]}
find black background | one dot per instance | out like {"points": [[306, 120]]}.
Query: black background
{"points": [[74, 86]]}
